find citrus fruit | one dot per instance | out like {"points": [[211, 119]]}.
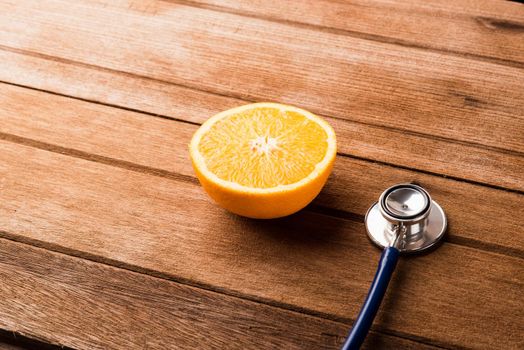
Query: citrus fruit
{"points": [[263, 160]]}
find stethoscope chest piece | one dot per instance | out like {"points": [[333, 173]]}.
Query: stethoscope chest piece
{"points": [[407, 218]]}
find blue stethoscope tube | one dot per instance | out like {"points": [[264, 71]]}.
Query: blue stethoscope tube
{"points": [[417, 222], [386, 266]]}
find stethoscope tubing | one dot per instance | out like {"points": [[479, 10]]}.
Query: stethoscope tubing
{"points": [[386, 266]]}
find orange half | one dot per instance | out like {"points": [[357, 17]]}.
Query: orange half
{"points": [[263, 160]]}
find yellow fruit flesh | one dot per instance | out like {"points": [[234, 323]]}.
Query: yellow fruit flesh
{"points": [[263, 147]]}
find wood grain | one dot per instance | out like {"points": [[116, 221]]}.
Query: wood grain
{"points": [[310, 262], [107, 179], [336, 75], [482, 28], [87, 305], [160, 147], [397, 148]]}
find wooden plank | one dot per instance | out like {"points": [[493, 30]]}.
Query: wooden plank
{"points": [[161, 146], [364, 141], [492, 29], [331, 74], [88, 305], [317, 263]]}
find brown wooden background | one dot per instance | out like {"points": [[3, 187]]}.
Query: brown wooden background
{"points": [[108, 241]]}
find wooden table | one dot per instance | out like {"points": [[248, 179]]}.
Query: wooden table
{"points": [[108, 241]]}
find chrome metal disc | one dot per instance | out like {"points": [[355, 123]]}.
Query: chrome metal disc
{"points": [[381, 233]]}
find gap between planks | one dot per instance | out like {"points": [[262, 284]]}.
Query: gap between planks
{"points": [[456, 240], [393, 165], [17, 341], [241, 97], [351, 33]]}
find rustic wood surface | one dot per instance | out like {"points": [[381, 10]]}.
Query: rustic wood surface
{"points": [[108, 241], [91, 305]]}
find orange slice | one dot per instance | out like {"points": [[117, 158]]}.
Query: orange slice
{"points": [[263, 160]]}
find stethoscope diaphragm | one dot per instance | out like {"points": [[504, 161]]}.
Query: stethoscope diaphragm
{"points": [[406, 210]]}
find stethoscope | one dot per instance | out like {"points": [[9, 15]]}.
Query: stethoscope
{"points": [[404, 220]]}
